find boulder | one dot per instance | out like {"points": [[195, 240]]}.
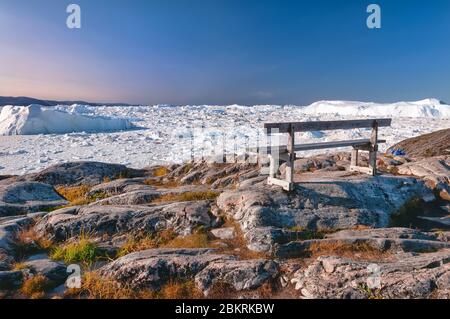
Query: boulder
{"points": [[8, 230], [137, 197], [155, 267], [320, 201], [25, 197], [52, 270], [82, 173], [238, 274], [113, 220], [434, 170], [119, 186]]}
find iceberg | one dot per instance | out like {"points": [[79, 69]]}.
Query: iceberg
{"points": [[36, 119], [428, 108]]}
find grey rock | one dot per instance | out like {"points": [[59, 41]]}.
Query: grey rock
{"points": [[82, 173], [119, 186], [297, 249], [54, 271], [407, 276], [239, 274], [435, 170], [384, 239], [116, 220], [156, 267], [137, 197], [224, 233], [10, 280], [321, 201], [25, 197]]}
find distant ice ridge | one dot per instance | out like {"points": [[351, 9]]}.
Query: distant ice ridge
{"points": [[429, 108], [36, 119]]}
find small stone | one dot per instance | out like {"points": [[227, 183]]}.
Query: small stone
{"points": [[224, 233]]}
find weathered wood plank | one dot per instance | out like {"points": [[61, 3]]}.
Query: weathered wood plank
{"points": [[313, 146], [325, 125], [354, 158]]}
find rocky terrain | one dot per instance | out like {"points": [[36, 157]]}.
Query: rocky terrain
{"points": [[433, 144], [203, 230]]}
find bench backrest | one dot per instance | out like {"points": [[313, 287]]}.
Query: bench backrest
{"points": [[325, 125]]}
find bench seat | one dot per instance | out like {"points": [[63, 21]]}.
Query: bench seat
{"points": [[361, 144]]}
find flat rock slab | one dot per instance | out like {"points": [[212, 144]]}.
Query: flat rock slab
{"points": [[413, 276], [120, 186], [56, 272], [81, 173], [156, 267], [25, 197], [321, 201], [383, 239], [116, 220]]}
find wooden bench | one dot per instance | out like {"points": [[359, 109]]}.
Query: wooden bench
{"points": [[287, 152]]}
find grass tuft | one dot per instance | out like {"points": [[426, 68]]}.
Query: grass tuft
{"points": [[160, 171], [82, 251], [197, 240], [187, 197], [35, 287], [95, 286], [158, 183], [362, 251], [134, 244], [78, 195]]}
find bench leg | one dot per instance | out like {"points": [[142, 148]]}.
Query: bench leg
{"points": [[373, 162], [272, 168], [291, 159], [355, 155]]}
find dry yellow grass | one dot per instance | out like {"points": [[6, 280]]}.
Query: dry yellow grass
{"points": [[76, 195], [238, 245], [360, 251], [160, 171], [28, 242], [187, 197], [95, 286], [35, 287], [162, 183], [19, 266], [180, 290], [197, 240], [137, 244]]}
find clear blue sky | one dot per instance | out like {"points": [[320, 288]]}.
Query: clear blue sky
{"points": [[225, 51]]}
